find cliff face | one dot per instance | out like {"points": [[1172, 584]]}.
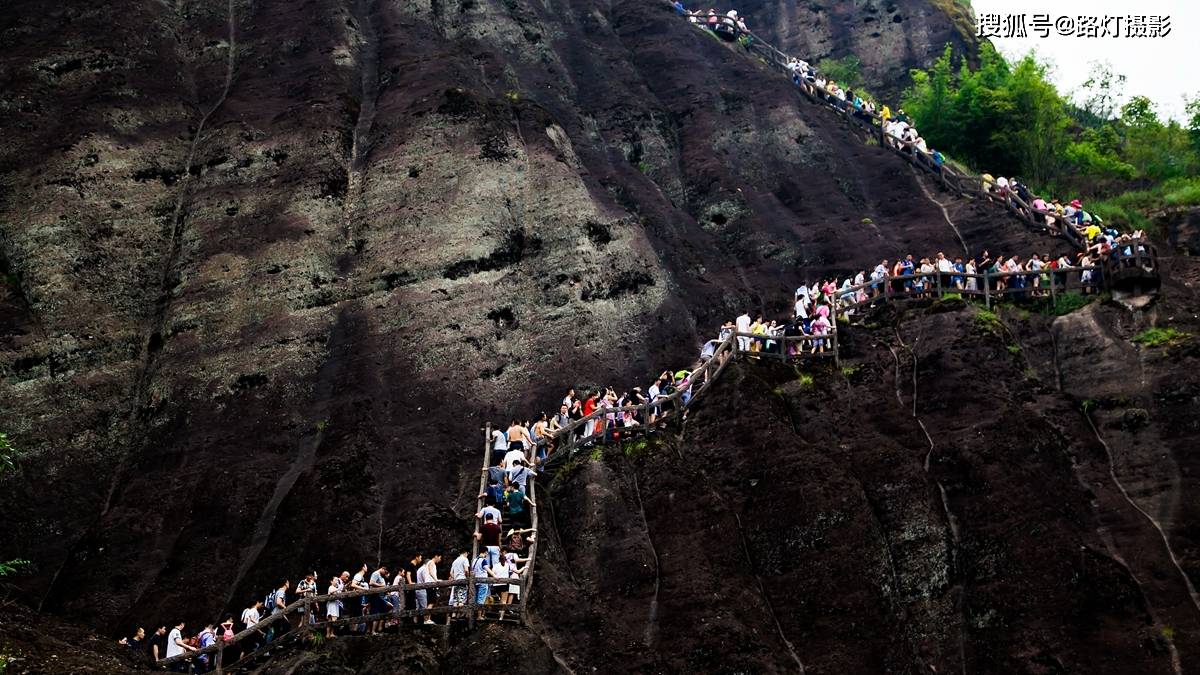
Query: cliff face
{"points": [[270, 265], [889, 37]]}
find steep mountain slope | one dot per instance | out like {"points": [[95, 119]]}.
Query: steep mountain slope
{"points": [[888, 38], [270, 265]]}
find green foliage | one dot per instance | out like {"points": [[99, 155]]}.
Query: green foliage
{"points": [[1067, 303], [596, 454], [1160, 337], [1014, 349], [643, 167], [314, 638], [1087, 157], [635, 448], [846, 71], [10, 567], [1132, 208], [806, 380], [512, 96], [851, 370], [1008, 119], [8, 456], [988, 321]]}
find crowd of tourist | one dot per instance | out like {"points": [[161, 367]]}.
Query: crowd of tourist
{"points": [[498, 570]]}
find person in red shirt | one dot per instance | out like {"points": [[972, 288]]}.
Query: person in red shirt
{"points": [[589, 407], [489, 536]]}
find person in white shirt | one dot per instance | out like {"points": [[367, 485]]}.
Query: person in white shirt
{"points": [[511, 457], [427, 574], [743, 326], [458, 572], [489, 510], [176, 646]]}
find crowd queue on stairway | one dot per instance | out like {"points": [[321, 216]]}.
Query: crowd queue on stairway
{"points": [[899, 132], [504, 536]]}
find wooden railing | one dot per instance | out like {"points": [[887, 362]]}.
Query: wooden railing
{"points": [[991, 286], [605, 424], [308, 621]]}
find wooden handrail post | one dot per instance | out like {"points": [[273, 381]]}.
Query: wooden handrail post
{"points": [[471, 592], [987, 290], [220, 660]]}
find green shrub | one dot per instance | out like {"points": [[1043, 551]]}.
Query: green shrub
{"points": [[1067, 303], [1013, 349], [987, 321], [1160, 337]]}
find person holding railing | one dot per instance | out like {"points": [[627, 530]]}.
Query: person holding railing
{"points": [[360, 583], [177, 646], [821, 327], [458, 572], [957, 280], [481, 571], [379, 601], [333, 606], [307, 588], [206, 638]]}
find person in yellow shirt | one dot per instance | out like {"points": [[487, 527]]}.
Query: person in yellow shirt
{"points": [[1092, 231]]}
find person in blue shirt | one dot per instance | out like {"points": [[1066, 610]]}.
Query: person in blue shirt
{"points": [[481, 570]]}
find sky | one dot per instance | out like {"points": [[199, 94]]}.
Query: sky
{"points": [[1161, 68]]}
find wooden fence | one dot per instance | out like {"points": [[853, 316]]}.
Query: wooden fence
{"points": [[299, 617]]}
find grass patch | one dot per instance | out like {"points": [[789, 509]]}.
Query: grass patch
{"points": [[851, 371], [635, 448], [596, 454], [1159, 337], [989, 322], [1014, 349], [806, 380], [1130, 210], [1067, 303]]}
